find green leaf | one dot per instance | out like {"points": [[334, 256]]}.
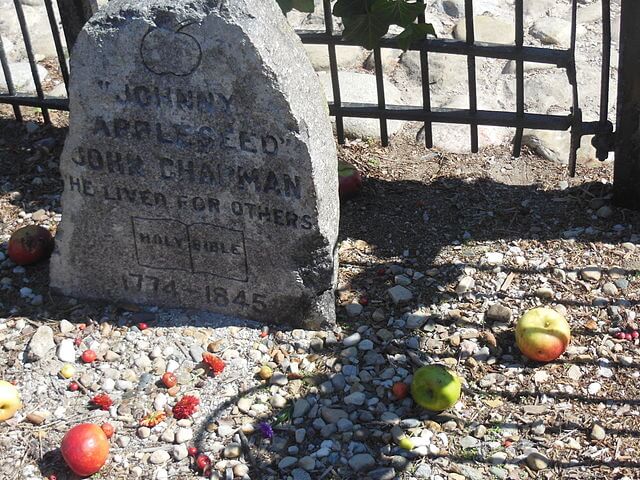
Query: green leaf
{"points": [[398, 12], [350, 8], [365, 30], [413, 32], [285, 5], [307, 6]]}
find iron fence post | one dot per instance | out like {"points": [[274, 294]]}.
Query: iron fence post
{"points": [[74, 14], [626, 177]]}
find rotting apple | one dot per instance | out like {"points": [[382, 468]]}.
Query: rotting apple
{"points": [[542, 334], [349, 180], [9, 400], [30, 244], [169, 379], [85, 448], [435, 388]]}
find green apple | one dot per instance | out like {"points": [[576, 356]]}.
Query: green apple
{"points": [[9, 400], [542, 334], [435, 388]]}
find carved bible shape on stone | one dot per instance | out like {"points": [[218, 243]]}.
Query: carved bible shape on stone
{"points": [[168, 51]]}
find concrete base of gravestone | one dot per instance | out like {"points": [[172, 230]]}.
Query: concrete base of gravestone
{"points": [[200, 168]]}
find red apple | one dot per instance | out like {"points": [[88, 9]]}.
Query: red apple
{"points": [[30, 244], [85, 448], [400, 390], [542, 334], [89, 356], [169, 379], [349, 180]]}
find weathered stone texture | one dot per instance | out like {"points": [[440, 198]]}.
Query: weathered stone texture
{"points": [[200, 169]]}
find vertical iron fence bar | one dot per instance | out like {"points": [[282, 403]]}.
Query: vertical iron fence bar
{"points": [[576, 114], [604, 74], [517, 140], [32, 60], [8, 80], [426, 89], [471, 67], [626, 171], [333, 67], [58, 43], [384, 135], [74, 14]]}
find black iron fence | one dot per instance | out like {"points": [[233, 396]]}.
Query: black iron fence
{"points": [[74, 14]]}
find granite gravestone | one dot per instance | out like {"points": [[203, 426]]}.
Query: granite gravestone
{"points": [[200, 169]]}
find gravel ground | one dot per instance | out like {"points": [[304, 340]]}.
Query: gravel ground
{"points": [[471, 242]]}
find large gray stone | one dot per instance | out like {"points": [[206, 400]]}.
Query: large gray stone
{"points": [[41, 344], [22, 77], [552, 31], [487, 29], [555, 146], [200, 170], [444, 70], [538, 8], [361, 88], [346, 56]]}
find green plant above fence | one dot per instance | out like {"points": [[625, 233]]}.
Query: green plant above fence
{"points": [[367, 21]]}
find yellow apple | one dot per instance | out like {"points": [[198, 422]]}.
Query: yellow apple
{"points": [[9, 400], [67, 370], [542, 334]]}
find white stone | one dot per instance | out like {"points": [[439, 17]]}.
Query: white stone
{"points": [[66, 326], [159, 457], [179, 452], [183, 435], [67, 351], [351, 340]]}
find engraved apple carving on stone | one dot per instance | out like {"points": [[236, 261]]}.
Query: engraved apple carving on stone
{"points": [[169, 51]]}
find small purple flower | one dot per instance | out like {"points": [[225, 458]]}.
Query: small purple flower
{"points": [[266, 430]]}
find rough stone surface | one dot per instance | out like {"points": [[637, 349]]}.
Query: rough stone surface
{"points": [[400, 294], [487, 29], [361, 88], [554, 31], [346, 56], [41, 344], [22, 77], [200, 161]]}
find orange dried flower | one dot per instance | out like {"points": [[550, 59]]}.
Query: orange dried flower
{"points": [[102, 400], [215, 363], [185, 407], [153, 419]]}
